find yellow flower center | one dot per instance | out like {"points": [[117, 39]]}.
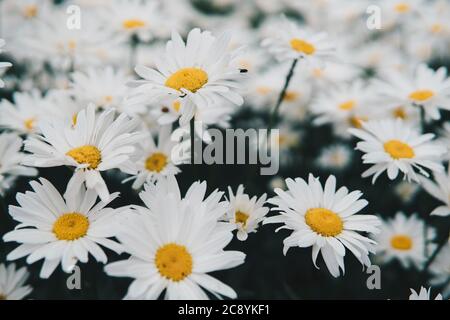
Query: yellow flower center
{"points": [[74, 119], [324, 222], [263, 90], [173, 262], [130, 24], [86, 155], [421, 95], [72, 44], [241, 217], [191, 79], [302, 46], [29, 123], [30, 11], [317, 72], [156, 162], [399, 150], [401, 242], [437, 28], [402, 7], [347, 105], [108, 99], [71, 226], [290, 96], [357, 122], [400, 113]]}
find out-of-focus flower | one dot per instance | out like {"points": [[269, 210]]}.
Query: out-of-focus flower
{"points": [[402, 238], [440, 270], [94, 144], [395, 146], [335, 157], [324, 219], [406, 191], [175, 242], [245, 212], [294, 42], [3, 65], [439, 189], [61, 230], [10, 160], [12, 282]]}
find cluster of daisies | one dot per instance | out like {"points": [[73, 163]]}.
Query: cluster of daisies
{"points": [[110, 101]]}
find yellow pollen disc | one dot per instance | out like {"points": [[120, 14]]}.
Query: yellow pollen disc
{"points": [[437, 28], [402, 7], [302, 46], [421, 95], [30, 11], [400, 113], [399, 150], [290, 96], [86, 155], [347, 105], [72, 45], [191, 79], [156, 162], [29, 123], [133, 24], [71, 226], [263, 90], [108, 99], [176, 106], [241, 217], [317, 72], [324, 222], [357, 122], [173, 262], [401, 242]]}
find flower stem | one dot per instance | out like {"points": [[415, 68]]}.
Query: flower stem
{"points": [[274, 115]]}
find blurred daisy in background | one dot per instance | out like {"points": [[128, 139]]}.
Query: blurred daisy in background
{"points": [[396, 147], [10, 161], [291, 41], [3, 65], [335, 157], [155, 160], [425, 87], [325, 219], [402, 238], [12, 282], [406, 191], [440, 270], [25, 114], [423, 294], [245, 212], [94, 144], [199, 69], [61, 230], [439, 188], [174, 243]]}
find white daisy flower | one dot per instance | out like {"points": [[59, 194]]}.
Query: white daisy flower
{"points": [[395, 146], [406, 191], [426, 87], [105, 87], [294, 42], [155, 161], [423, 294], [134, 17], [324, 219], [174, 243], [11, 158], [200, 70], [439, 189], [12, 282], [440, 270], [61, 230], [245, 212], [3, 65], [444, 138], [335, 157], [94, 144], [25, 114], [402, 238]]}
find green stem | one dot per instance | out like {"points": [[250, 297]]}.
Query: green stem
{"points": [[274, 116]]}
